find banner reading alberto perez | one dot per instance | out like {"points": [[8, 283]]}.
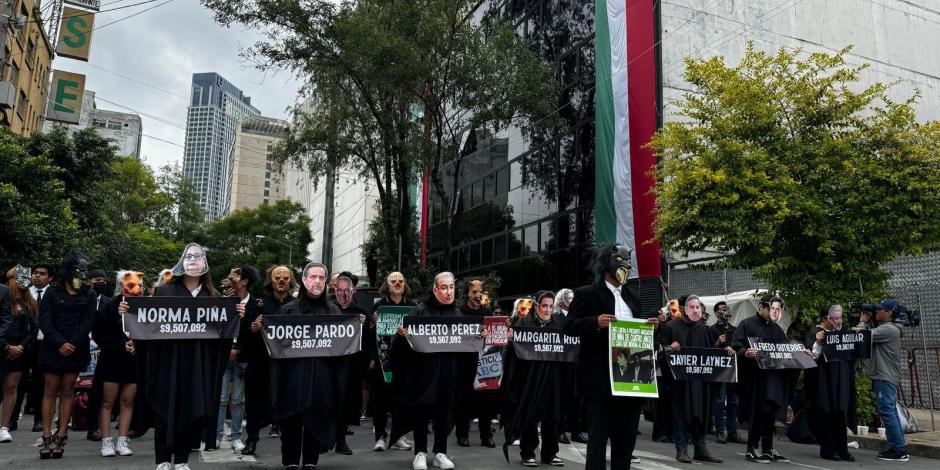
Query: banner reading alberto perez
{"points": [[444, 334], [545, 344], [296, 336], [156, 318]]}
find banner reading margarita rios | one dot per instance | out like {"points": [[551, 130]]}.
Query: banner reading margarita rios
{"points": [[847, 345], [705, 364], [444, 334], [156, 318], [295, 336], [545, 344], [386, 327], [781, 355], [631, 353]]}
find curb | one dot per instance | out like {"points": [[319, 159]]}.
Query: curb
{"points": [[915, 449]]}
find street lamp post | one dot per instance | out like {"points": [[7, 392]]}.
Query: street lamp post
{"points": [[290, 249]]}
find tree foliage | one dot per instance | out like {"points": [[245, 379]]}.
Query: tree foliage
{"points": [[786, 162]]}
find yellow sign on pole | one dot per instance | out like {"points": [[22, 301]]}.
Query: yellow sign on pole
{"points": [[65, 97], [75, 33]]}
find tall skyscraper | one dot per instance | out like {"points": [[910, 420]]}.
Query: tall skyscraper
{"points": [[254, 181], [215, 109]]}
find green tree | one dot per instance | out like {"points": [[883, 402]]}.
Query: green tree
{"points": [[183, 219], [792, 167], [392, 87]]}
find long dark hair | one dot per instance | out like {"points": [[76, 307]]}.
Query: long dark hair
{"points": [[21, 297]]}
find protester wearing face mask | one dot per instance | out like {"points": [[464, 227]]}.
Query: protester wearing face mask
{"points": [[475, 404], [98, 284], [18, 315], [66, 317], [725, 404], [349, 367]]}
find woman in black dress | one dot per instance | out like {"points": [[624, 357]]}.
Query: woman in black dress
{"points": [[66, 315], [20, 334]]}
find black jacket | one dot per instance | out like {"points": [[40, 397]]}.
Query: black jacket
{"points": [[250, 346], [5, 317], [66, 318], [21, 329], [590, 302]]}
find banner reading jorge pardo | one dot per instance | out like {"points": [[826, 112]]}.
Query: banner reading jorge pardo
{"points": [[390, 318], [296, 336], [159, 318], [781, 355], [631, 361], [444, 334]]}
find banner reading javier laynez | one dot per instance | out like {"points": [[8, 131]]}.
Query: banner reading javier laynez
{"points": [[631, 353], [157, 318], [705, 364], [444, 334], [296, 336], [390, 318], [781, 355]]}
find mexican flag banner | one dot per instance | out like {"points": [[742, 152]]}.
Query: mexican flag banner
{"points": [[625, 112]]}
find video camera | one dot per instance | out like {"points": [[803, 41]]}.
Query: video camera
{"points": [[901, 314]]}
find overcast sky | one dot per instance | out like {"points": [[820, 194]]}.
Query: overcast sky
{"points": [[162, 48]]}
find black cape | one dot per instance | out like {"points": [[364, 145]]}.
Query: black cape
{"points": [[533, 389], [758, 389], [692, 398], [308, 386], [251, 350], [830, 387], [349, 371]]}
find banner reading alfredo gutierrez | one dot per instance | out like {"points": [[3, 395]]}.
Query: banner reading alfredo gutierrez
{"points": [[157, 318], [631, 359], [781, 355], [545, 344], [296, 336], [444, 334]]}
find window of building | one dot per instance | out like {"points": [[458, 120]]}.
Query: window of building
{"points": [[30, 52], [21, 104], [267, 184], [267, 193], [14, 73]]}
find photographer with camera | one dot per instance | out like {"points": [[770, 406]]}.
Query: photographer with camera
{"points": [[884, 368]]}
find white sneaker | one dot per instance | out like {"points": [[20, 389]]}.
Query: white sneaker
{"points": [[379, 445], [515, 442], [5, 435], [107, 447], [165, 466], [401, 444], [238, 445], [442, 462], [122, 448], [421, 462], [181, 466]]}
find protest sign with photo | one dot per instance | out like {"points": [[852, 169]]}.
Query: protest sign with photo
{"points": [[545, 344], [386, 327], [772, 355], [705, 364], [631, 361], [444, 334], [489, 368], [847, 345], [295, 336], [159, 318], [498, 330]]}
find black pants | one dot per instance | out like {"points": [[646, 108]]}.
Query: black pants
{"points": [[617, 419], [762, 429], [182, 442], [530, 440], [481, 405], [380, 403], [257, 398], [440, 414], [831, 434], [296, 442]]}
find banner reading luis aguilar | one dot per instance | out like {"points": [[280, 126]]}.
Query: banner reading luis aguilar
{"points": [[386, 327], [630, 353], [444, 334], [545, 344], [705, 364], [781, 355], [156, 318], [296, 336], [847, 345]]}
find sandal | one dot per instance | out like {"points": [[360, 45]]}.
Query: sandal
{"points": [[58, 446], [45, 450]]}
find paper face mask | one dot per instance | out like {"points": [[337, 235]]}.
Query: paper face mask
{"points": [[192, 262], [281, 279], [315, 279], [22, 275], [133, 284], [523, 306]]}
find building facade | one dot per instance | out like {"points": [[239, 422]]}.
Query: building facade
{"points": [[215, 110], [25, 61], [124, 129], [253, 180]]}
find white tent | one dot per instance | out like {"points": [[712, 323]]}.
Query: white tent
{"points": [[742, 304]]}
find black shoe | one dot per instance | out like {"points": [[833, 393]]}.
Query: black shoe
{"points": [[579, 437], [832, 457], [776, 457], [847, 456], [736, 438], [93, 435], [487, 442], [463, 442], [683, 457], [530, 462], [563, 439], [709, 458], [752, 455], [722, 437], [342, 448], [554, 461], [292, 467], [309, 466], [894, 455], [251, 445], [275, 431]]}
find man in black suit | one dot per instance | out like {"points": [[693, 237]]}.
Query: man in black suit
{"points": [[590, 313]]}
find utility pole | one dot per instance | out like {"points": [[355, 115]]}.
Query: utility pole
{"points": [[329, 215]]}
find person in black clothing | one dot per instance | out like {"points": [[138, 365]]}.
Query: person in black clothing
{"points": [[116, 370], [479, 404], [349, 367], [590, 313], [395, 292], [534, 391], [830, 391], [279, 282], [306, 390], [18, 327], [764, 393], [691, 399], [33, 380], [97, 282], [725, 403]]}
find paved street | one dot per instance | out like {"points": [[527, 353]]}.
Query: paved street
{"points": [[81, 454]]}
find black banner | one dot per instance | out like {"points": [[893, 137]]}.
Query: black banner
{"points": [[545, 344], [705, 364], [847, 345], [781, 355], [156, 318], [444, 334], [294, 336]]}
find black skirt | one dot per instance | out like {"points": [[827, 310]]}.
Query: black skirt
{"points": [[116, 367], [19, 364]]}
